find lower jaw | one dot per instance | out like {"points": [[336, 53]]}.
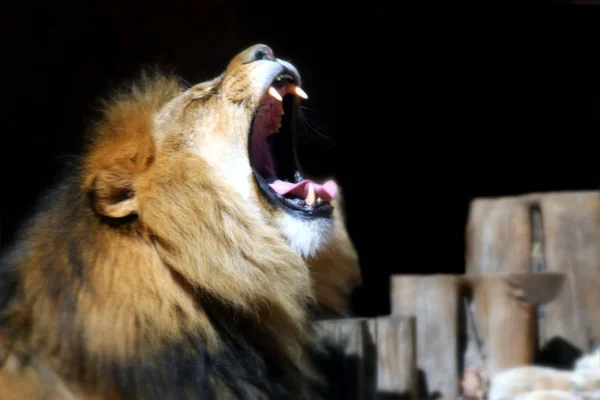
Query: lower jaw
{"points": [[297, 210]]}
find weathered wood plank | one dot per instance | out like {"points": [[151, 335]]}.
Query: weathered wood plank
{"points": [[354, 362], [572, 240], [505, 321], [498, 236], [500, 323], [545, 232], [501, 239], [378, 357], [434, 300], [397, 375], [501, 317]]}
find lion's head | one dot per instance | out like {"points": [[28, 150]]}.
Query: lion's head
{"points": [[189, 228]]}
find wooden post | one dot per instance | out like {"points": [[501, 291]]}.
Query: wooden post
{"points": [[498, 237], [495, 331], [502, 318], [378, 357], [434, 301], [501, 240], [505, 324], [355, 378], [545, 232], [572, 240], [397, 375]]}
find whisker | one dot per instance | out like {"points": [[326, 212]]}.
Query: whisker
{"points": [[307, 124], [185, 83]]}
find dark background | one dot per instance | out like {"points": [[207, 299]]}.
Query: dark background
{"points": [[422, 109]]}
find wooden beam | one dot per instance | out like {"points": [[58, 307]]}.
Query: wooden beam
{"points": [[572, 240], [496, 329], [378, 357], [498, 237], [353, 363], [434, 301], [397, 375], [545, 232]]}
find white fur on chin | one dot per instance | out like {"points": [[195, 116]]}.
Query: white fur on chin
{"points": [[306, 236]]}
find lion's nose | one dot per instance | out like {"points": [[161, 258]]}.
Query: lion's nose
{"points": [[256, 53]]}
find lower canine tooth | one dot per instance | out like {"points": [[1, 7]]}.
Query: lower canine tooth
{"points": [[311, 198], [273, 92]]}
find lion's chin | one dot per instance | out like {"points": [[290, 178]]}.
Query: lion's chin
{"points": [[306, 236]]}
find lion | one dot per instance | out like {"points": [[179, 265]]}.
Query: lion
{"points": [[186, 253]]}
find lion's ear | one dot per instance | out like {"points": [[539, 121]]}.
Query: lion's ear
{"points": [[113, 196]]}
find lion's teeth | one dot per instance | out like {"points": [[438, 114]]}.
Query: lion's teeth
{"points": [[300, 92], [319, 200], [273, 92], [311, 198]]}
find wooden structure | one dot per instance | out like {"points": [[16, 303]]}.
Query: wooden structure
{"points": [[556, 232], [531, 294], [379, 356]]}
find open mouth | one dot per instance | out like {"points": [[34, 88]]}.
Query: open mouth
{"points": [[273, 157]]}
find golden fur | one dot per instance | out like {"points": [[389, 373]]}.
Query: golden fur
{"points": [[161, 236]]}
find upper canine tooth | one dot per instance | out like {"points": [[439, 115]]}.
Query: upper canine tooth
{"points": [[273, 92], [311, 198], [300, 92]]}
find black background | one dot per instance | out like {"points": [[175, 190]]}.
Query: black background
{"points": [[423, 109]]}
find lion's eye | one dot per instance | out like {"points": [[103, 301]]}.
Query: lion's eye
{"points": [[260, 55]]}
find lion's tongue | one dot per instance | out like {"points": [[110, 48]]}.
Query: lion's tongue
{"points": [[326, 191]]}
